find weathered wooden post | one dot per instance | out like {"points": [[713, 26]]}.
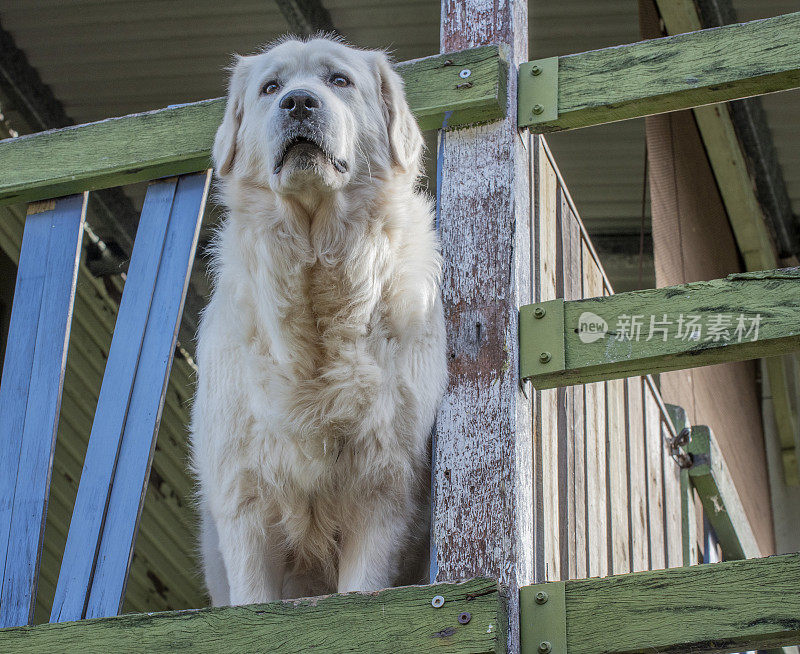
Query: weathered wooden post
{"points": [[483, 477]]}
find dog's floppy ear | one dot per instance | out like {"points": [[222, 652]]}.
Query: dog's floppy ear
{"points": [[224, 150], [405, 137]]}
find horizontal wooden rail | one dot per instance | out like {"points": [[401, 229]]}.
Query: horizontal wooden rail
{"points": [[660, 75], [744, 316], [177, 140], [472, 618], [721, 607]]}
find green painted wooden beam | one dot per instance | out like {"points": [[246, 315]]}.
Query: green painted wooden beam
{"points": [[721, 504], [177, 140], [656, 330], [472, 619], [661, 75], [721, 607]]}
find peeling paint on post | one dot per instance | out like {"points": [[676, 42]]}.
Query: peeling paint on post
{"points": [[482, 482]]}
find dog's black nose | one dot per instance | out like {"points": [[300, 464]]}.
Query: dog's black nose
{"points": [[300, 103]]}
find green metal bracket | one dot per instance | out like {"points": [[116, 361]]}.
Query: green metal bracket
{"points": [[541, 338], [538, 92], [543, 618]]}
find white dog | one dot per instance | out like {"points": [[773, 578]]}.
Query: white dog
{"points": [[322, 350]]}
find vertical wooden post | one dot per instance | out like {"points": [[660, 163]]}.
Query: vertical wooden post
{"points": [[482, 480]]}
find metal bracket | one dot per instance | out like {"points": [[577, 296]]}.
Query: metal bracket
{"points": [[541, 338], [543, 618], [537, 92], [679, 445]]}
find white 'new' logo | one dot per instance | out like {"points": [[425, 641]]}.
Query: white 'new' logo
{"points": [[591, 327]]}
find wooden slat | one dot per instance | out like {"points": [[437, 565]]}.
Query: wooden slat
{"points": [[742, 316], [30, 394], [581, 483], [551, 427], [655, 480], [178, 140], [671, 73], [397, 619], [721, 607], [572, 481], [595, 430], [673, 523], [114, 478], [637, 474], [147, 398], [578, 416], [617, 458]]}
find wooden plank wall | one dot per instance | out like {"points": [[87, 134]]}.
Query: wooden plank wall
{"points": [[608, 496]]}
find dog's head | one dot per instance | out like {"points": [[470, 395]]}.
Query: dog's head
{"points": [[315, 115]]}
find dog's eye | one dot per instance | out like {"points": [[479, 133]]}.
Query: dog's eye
{"points": [[337, 79], [270, 87]]}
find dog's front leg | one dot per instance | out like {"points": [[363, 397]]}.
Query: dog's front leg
{"points": [[255, 566], [368, 558]]}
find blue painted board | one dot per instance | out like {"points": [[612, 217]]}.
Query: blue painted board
{"points": [[30, 394], [92, 580], [112, 405]]}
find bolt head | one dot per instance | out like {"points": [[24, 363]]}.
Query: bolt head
{"points": [[544, 357], [541, 597], [545, 647], [465, 73], [539, 312], [537, 109], [536, 70], [437, 602]]}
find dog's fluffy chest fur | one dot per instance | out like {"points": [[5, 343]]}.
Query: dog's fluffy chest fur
{"points": [[321, 360]]}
